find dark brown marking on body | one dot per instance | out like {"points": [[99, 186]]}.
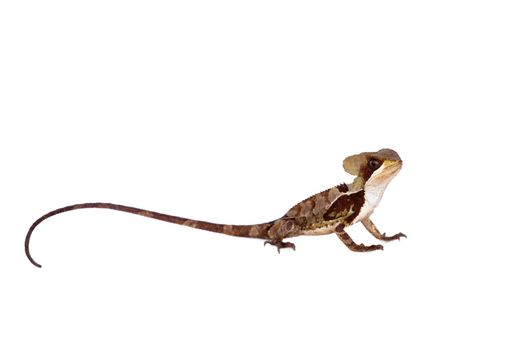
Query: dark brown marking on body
{"points": [[346, 205], [339, 208], [359, 198], [343, 188]]}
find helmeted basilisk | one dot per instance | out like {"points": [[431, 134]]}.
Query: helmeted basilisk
{"points": [[330, 211]]}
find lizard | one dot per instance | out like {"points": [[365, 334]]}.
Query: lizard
{"points": [[330, 211]]}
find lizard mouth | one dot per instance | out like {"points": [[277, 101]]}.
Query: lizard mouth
{"points": [[392, 165], [390, 168]]}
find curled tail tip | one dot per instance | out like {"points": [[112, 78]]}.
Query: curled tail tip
{"points": [[26, 247], [30, 258], [35, 263]]}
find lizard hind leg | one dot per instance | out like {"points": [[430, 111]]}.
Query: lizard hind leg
{"points": [[281, 229]]}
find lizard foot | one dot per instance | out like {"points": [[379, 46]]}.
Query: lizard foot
{"points": [[392, 238], [367, 248], [280, 244]]}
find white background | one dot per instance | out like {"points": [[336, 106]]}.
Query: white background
{"points": [[233, 111]]}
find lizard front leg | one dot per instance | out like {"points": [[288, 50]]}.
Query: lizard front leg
{"points": [[345, 238], [370, 227]]}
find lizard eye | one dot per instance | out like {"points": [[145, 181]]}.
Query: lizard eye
{"points": [[374, 164]]}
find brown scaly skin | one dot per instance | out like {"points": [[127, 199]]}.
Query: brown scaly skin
{"points": [[327, 212]]}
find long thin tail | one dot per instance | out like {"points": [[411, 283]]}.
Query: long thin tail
{"points": [[254, 231]]}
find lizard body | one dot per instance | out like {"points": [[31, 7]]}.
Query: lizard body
{"points": [[327, 212]]}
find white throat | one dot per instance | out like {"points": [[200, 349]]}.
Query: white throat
{"points": [[374, 189]]}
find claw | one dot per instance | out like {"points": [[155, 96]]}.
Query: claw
{"points": [[281, 244], [394, 237]]}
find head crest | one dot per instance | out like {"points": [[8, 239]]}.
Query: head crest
{"points": [[352, 164]]}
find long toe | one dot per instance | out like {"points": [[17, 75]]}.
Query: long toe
{"points": [[394, 237]]}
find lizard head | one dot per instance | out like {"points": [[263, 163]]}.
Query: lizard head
{"points": [[382, 165]]}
